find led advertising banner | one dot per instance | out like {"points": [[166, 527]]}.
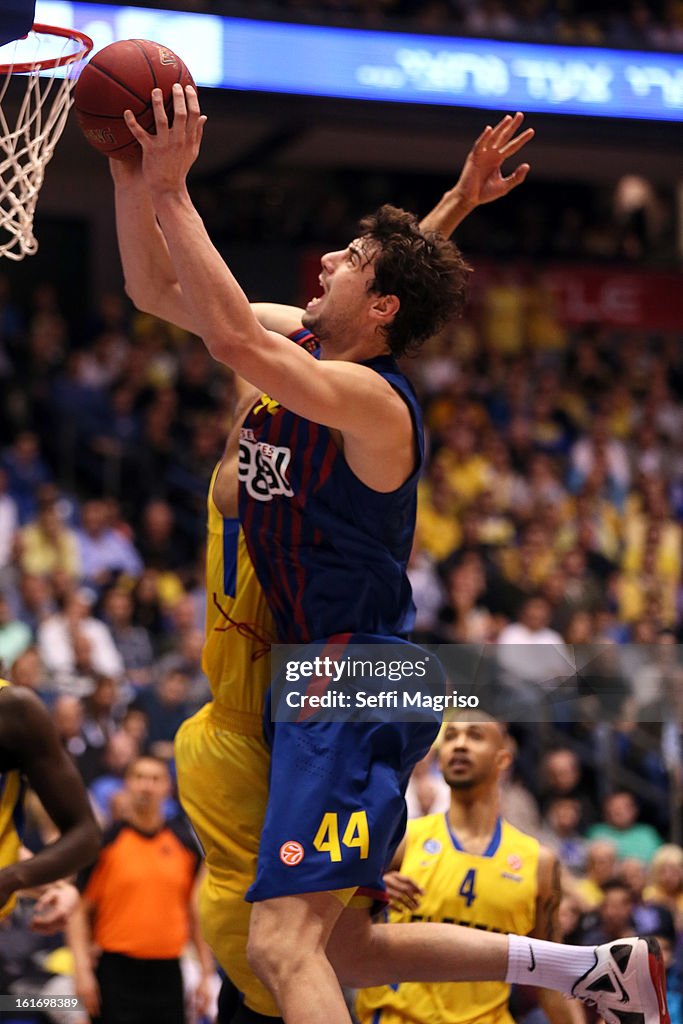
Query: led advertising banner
{"points": [[273, 57]]}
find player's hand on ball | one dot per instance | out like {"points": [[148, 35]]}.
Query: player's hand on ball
{"points": [[168, 155], [403, 893]]}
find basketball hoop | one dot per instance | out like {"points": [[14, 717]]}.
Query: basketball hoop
{"points": [[28, 142]]}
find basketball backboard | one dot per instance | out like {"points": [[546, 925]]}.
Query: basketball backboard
{"points": [[16, 18]]}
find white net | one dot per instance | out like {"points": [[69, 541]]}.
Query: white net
{"points": [[37, 76]]}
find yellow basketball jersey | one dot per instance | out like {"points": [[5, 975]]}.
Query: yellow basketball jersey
{"points": [[495, 891], [11, 812], [238, 622]]}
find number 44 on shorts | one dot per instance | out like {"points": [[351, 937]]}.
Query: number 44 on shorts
{"points": [[355, 836]]}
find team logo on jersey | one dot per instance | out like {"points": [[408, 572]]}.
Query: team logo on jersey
{"points": [[263, 468], [514, 862], [267, 403], [431, 846], [291, 853]]}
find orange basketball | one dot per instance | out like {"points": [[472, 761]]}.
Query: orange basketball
{"points": [[121, 77]]}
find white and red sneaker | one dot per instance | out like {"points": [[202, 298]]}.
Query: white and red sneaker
{"points": [[627, 983]]}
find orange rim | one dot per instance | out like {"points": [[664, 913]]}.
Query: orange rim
{"points": [[53, 62]]}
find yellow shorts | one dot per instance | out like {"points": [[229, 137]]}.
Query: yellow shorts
{"points": [[450, 1010], [222, 763]]}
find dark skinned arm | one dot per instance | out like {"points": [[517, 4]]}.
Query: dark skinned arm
{"points": [[29, 742]]}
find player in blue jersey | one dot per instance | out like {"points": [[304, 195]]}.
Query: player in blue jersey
{"points": [[329, 464]]}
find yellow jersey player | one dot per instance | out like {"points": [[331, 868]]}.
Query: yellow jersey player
{"points": [[221, 757], [31, 753], [469, 867]]}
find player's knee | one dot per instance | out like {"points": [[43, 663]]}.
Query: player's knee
{"points": [[265, 953], [271, 959]]}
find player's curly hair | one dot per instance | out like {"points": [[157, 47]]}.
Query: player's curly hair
{"points": [[423, 269]]}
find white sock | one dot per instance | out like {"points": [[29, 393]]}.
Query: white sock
{"points": [[546, 964]]}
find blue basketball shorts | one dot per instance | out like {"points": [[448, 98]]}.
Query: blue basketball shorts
{"points": [[336, 810]]}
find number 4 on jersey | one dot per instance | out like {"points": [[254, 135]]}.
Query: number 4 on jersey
{"points": [[356, 835], [466, 890]]}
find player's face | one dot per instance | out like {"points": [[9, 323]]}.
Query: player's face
{"points": [[345, 302], [472, 754]]}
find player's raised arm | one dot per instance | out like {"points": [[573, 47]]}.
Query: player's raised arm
{"points": [[149, 276], [481, 179], [29, 736], [275, 316]]}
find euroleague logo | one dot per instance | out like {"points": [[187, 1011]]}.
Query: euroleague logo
{"points": [[291, 853], [514, 862]]}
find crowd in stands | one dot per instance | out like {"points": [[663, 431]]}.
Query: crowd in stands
{"points": [[656, 24], [634, 223]]}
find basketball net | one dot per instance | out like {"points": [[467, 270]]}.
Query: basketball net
{"points": [[38, 85]]}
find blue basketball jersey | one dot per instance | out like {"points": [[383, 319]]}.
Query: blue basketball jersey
{"points": [[329, 552]]}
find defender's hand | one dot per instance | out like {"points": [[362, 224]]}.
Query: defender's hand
{"points": [[54, 908], [403, 893], [481, 180]]}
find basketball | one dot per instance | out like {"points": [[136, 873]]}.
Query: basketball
{"points": [[121, 77]]}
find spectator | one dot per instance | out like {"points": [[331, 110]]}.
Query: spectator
{"points": [[563, 776], [9, 520], [134, 722], [35, 600], [561, 833], [465, 619], [67, 714], [46, 544], [521, 646], [465, 470], [27, 471], [28, 671], [528, 564], [104, 553], [166, 707], [147, 608], [437, 525], [649, 680], [614, 916], [100, 708], [600, 868], [120, 751], [57, 638], [187, 660], [427, 592], [665, 886], [15, 636], [598, 450], [650, 917], [160, 545], [132, 642], [621, 827]]}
